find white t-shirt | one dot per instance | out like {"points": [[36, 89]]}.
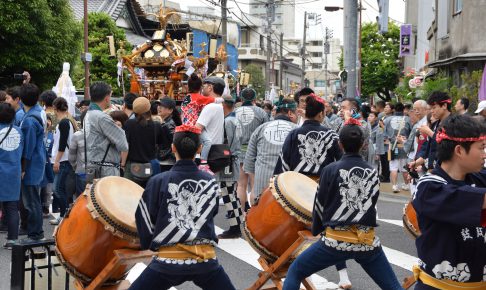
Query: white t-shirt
{"points": [[212, 118], [55, 145]]}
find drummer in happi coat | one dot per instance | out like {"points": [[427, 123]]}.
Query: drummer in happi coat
{"points": [[175, 219], [450, 204], [344, 212], [308, 149]]}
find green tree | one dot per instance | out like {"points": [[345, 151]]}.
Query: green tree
{"points": [[469, 89], [257, 80], [103, 67], [380, 68], [37, 36]]}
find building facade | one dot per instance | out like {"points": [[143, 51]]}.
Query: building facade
{"points": [[284, 14], [449, 36], [321, 81]]}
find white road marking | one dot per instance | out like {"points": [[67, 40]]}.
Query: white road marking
{"points": [[240, 249], [393, 222]]}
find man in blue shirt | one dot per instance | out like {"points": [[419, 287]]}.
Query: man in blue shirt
{"points": [[13, 98], [33, 160]]}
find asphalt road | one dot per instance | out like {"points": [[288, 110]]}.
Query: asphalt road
{"points": [[240, 261]]}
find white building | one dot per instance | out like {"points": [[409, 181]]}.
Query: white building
{"points": [[284, 14], [315, 62]]}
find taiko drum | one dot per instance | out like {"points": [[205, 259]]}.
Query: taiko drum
{"points": [[100, 221], [284, 209], [410, 221]]}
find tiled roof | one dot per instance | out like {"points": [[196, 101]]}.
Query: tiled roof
{"points": [[111, 7]]}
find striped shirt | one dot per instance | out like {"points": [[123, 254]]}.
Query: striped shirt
{"points": [[76, 152], [264, 149]]}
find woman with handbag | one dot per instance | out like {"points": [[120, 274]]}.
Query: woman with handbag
{"points": [[143, 135]]}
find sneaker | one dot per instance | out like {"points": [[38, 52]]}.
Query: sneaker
{"points": [[345, 285], [30, 240], [395, 188], [55, 221], [9, 244], [232, 233], [405, 187]]}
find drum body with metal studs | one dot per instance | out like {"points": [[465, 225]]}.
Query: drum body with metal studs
{"points": [[100, 221], [284, 209], [410, 221]]}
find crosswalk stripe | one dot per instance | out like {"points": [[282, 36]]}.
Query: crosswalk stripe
{"points": [[240, 249], [400, 259], [393, 222]]}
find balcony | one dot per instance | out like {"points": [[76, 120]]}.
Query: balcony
{"points": [[252, 51]]}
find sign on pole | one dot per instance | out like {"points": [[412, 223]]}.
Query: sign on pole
{"points": [[406, 40]]}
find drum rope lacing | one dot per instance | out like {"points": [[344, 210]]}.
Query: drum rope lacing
{"points": [[293, 209], [107, 219]]}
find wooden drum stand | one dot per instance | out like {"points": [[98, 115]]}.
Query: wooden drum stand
{"points": [[123, 259], [278, 269]]}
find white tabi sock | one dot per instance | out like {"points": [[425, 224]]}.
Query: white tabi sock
{"points": [[344, 279]]}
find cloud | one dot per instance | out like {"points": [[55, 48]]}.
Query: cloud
{"points": [[445, 270]]}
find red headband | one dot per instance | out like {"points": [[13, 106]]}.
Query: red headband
{"points": [[320, 100], [442, 135], [187, 128], [352, 121], [448, 101]]}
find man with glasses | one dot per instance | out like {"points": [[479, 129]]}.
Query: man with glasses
{"points": [[300, 98]]}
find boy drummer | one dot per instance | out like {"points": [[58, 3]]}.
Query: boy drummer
{"points": [[450, 204], [344, 212], [175, 219]]}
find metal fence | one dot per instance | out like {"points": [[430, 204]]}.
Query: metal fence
{"points": [[34, 264]]}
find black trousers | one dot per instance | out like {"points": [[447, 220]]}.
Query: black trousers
{"points": [[385, 167]]}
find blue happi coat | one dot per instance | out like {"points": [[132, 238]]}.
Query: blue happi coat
{"points": [[10, 156], [347, 194], [453, 242], [308, 149], [178, 206]]}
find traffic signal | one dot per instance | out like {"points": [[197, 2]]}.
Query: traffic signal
{"points": [[382, 18]]}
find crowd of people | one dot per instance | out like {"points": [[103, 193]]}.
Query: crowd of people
{"points": [[47, 156]]}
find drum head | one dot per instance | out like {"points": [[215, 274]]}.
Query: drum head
{"points": [[297, 191], [118, 199]]}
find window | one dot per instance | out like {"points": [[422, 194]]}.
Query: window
{"points": [[316, 66], [316, 54], [457, 6], [319, 83]]}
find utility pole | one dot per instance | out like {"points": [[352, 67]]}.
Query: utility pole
{"points": [[327, 36], [302, 78], [270, 20], [224, 24], [280, 77], [350, 45], [86, 60]]}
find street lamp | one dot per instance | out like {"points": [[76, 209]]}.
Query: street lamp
{"points": [[332, 8]]}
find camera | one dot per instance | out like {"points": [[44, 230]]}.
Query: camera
{"points": [[19, 77], [414, 174]]}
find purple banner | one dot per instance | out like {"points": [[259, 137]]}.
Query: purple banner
{"points": [[406, 40]]}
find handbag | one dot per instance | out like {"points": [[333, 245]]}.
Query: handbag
{"points": [[141, 171], [219, 156]]}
